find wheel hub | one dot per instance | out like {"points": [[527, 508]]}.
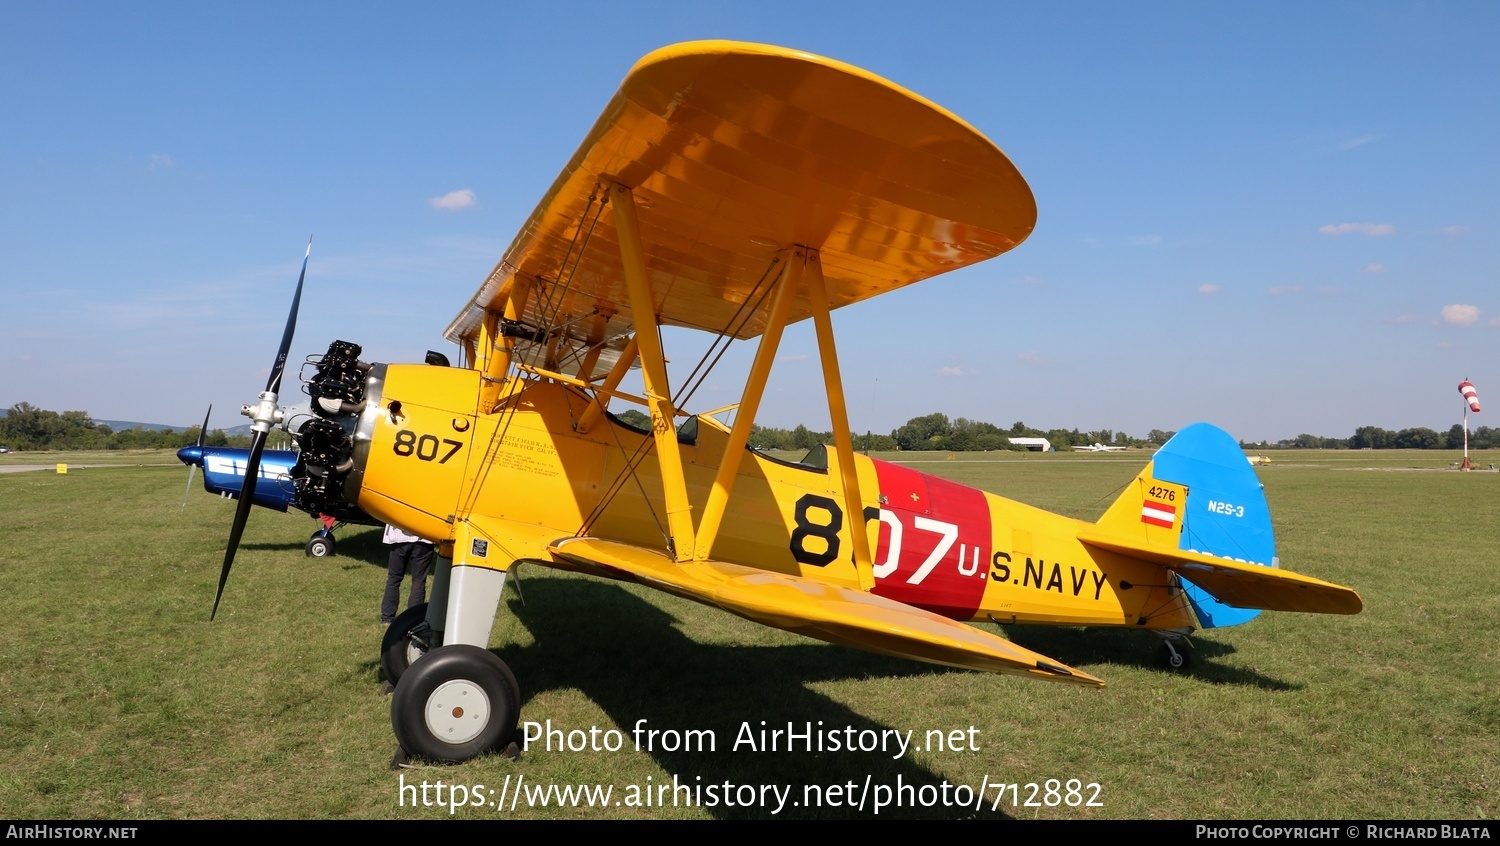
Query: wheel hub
{"points": [[457, 711]]}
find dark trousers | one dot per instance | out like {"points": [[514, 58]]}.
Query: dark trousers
{"points": [[415, 557]]}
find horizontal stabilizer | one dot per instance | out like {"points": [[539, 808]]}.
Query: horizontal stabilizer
{"points": [[1199, 510], [1237, 583], [827, 612]]}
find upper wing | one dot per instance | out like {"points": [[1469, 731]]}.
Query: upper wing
{"points": [[734, 152], [823, 611]]}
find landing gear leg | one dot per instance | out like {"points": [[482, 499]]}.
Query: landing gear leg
{"points": [[459, 700], [407, 639], [1175, 653]]}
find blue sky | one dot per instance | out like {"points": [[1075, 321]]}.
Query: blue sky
{"points": [[1280, 218]]}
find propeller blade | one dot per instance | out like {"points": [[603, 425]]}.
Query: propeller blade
{"points": [[241, 515], [273, 384], [193, 468], [203, 430], [263, 416]]}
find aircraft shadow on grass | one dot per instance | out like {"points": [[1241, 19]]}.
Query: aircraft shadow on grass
{"points": [[1074, 646], [630, 659], [356, 547], [1085, 647]]}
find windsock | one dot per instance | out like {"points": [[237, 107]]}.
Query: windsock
{"points": [[1467, 389]]}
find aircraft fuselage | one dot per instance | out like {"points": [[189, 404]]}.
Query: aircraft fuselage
{"points": [[523, 478]]}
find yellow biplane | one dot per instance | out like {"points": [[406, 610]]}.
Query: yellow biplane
{"points": [[736, 189]]}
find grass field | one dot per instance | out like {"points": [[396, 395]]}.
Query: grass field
{"points": [[123, 701]]}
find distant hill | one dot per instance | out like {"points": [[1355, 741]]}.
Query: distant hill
{"points": [[127, 425]]}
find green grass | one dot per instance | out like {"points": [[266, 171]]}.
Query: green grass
{"points": [[123, 701], [117, 457]]}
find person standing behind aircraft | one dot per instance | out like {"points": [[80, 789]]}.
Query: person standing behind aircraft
{"points": [[408, 552]]}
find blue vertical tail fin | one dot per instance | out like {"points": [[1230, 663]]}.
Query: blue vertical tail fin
{"points": [[1198, 494], [1226, 514]]}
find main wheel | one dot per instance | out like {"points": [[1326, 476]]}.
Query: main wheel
{"points": [[455, 703], [320, 545], [406, 639]]}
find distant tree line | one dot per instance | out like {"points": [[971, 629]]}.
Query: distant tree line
{"points": [[26, 427], [937, 432], [1374, 437]]}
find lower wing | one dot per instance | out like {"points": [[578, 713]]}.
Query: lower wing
{"points": [[815, 609]]}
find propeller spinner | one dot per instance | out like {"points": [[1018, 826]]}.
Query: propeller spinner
{"points": [[263, 415]]}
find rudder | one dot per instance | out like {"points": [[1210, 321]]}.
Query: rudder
{"points": [[1200, 494]]}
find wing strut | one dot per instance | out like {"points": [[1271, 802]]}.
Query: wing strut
{"points": [[654, 371], [495, 350], [839, 414], [744, 419], [596, 346], [612, 381]]}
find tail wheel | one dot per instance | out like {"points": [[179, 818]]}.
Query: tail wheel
{"points": [[455, 703], [1173, 658], [407, 639]]}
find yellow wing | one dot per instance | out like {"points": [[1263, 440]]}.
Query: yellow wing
{"points": [[826, 612], [735, 152]]}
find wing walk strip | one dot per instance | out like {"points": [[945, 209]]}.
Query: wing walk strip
{"points": [[815, 609]]}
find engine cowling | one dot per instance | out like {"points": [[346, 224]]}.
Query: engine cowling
{"points": [[391, 440]]}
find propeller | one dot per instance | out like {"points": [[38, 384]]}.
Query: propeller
{"points": [[263, 415], [194, 455]]}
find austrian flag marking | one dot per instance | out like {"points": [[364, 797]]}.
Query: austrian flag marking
{"points": [[1158, 514]]}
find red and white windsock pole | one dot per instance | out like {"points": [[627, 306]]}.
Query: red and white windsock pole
{"points": [[1471, 403]]}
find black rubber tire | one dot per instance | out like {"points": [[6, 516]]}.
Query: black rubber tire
{"points": [[1178, 661], [455, 703], [406, 639], [320, 545]]}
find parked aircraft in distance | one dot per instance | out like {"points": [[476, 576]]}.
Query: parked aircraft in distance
{"points": [[224, 474]]}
